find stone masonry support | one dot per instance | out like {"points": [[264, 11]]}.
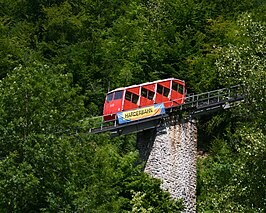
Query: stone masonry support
{"points": [[170, 155]]}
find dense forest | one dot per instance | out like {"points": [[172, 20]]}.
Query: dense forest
{"points": [[58, 58]]}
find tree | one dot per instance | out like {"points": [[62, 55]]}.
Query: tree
{"points": [[37, 105], [244, 63], [233, 177], [49, 162]]}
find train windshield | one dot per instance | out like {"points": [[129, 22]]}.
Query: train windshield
{"points": [[114, 96], [118, 95], [109, 97]]}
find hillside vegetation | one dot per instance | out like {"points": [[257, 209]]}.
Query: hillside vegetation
{"points": [[58, 58]]}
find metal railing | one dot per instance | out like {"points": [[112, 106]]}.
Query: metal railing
{"points": [[212, 97], [102, 124]]}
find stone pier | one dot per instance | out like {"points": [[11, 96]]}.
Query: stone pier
{"points": [[170, 155]]}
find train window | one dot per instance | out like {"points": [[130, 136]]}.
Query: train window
{"points": [[181, 89], [109, 97], [150, 95], [144, 92], [118, 95], [178, 87], [135, 98], [132, 97], [128, 96], [175, 86], [147, 93], [160, 89], [163, 90], [166, 91]]}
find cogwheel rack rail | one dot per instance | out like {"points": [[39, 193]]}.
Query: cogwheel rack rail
{"points": [[194, 105]]}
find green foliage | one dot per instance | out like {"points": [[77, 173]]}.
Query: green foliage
{"points": [[244, 63], [59, 58], [39, 99], [32, 114], [46, 166], [232, 179]]}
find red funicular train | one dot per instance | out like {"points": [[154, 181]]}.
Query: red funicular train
{"points": [[170, 92]]}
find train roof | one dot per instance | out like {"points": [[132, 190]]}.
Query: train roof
{"points": [[143, 84]]}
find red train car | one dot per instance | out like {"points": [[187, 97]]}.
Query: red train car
{"points": [[170, 92]]}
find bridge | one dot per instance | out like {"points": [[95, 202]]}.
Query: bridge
{"points": [[194, 105], [168, 143]]}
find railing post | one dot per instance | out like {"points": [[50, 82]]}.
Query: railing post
{"points": [[115, 120]]}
